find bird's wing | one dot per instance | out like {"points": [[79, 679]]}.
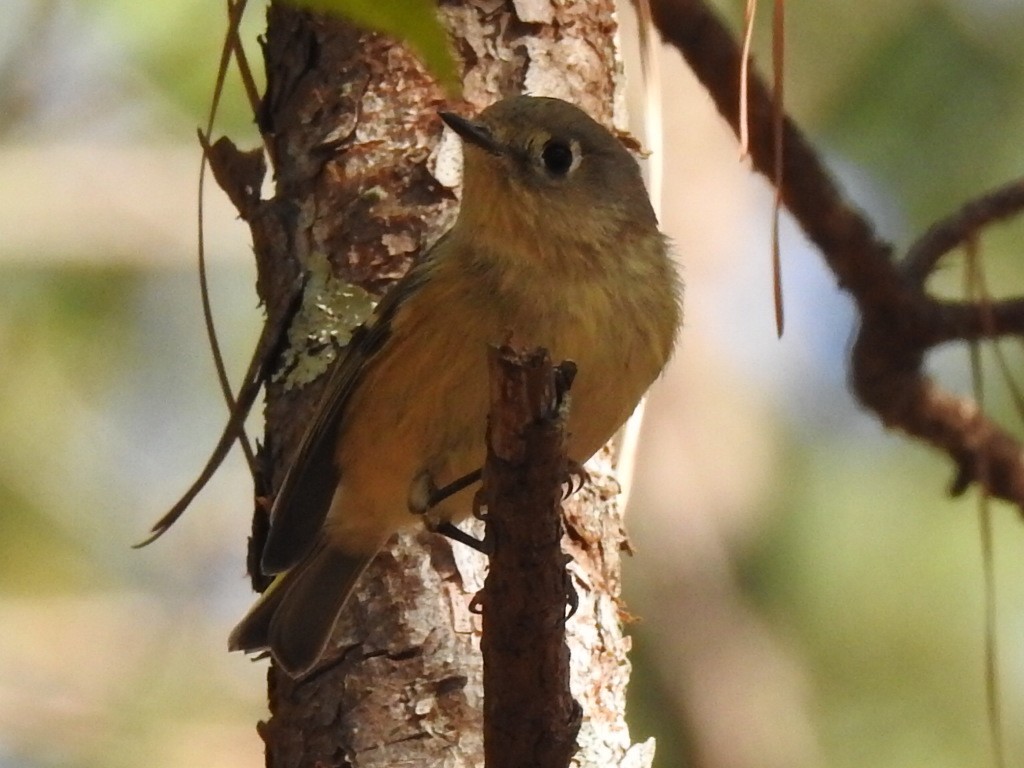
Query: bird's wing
{"points": [[302, 503]]}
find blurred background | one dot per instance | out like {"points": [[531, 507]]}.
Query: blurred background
{"points": [[808, 594]]}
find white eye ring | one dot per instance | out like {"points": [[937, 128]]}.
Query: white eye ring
{"points": [[559, 157]]}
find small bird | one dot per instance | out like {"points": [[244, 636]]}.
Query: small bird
{"points": [[556, 246]]}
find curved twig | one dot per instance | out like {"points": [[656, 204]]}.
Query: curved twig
{"points": [[235, 11], [954, 230]]}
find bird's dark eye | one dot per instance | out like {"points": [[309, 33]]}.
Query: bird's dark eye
{"points": [[557, 157]]}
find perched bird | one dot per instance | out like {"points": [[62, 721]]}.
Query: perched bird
{"points": [[555, 244]]}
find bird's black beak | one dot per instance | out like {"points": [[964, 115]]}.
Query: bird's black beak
{"points": [[477, 134]]}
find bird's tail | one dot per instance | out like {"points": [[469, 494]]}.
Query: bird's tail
{"points": [[294, 618]]}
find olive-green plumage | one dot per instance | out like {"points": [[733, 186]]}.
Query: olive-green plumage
{"points": [[556, 244]]}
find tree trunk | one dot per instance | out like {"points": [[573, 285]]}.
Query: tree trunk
{"points": [[364, 182]]}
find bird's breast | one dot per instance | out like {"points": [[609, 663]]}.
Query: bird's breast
{"points": [[422, 402]]}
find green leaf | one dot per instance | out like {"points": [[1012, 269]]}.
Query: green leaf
{"points": [[412, 21]]}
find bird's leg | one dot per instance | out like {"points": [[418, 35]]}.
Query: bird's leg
{"points": [[447, 491], [450, 530], [424, 496]]}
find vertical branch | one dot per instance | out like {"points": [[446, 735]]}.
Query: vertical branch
{"points": [[530, 716]]}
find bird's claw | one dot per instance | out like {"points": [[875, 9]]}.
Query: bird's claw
{"points": [[572, 597], [577, 477]]}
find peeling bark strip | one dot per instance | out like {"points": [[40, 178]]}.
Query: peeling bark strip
{"points": [[530, 716]]}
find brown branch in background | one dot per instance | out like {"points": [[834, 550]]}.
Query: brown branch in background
{"points": [[899, 321], [966, 321], [958, 229], [530, 716]]}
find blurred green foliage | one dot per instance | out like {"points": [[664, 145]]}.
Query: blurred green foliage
{"points": [[176, 46], [56, 339], [904, 111]]}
